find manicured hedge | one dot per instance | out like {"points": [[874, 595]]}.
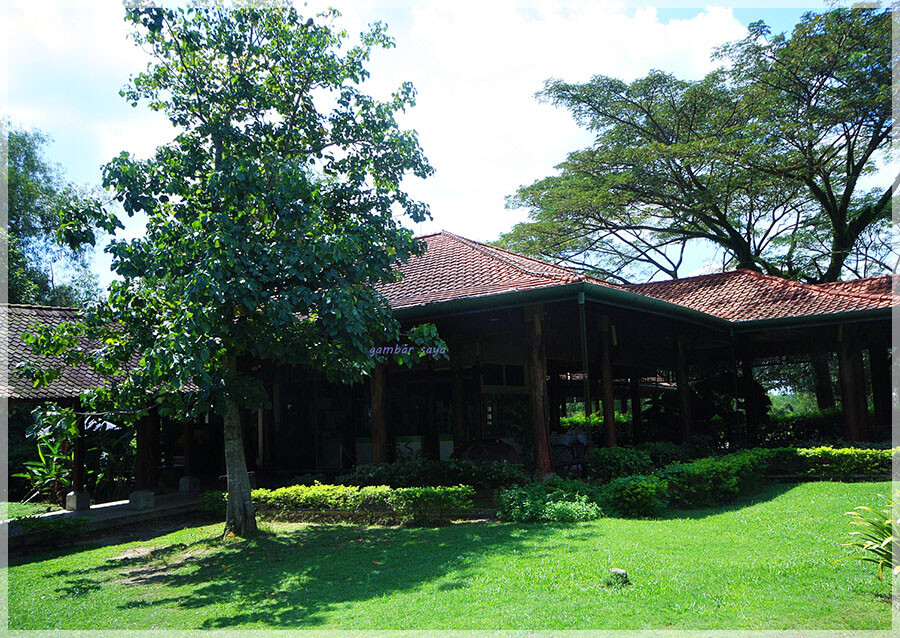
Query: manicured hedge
{"points": [[423, 473], [715, 480], [832, 463], [406, 505]]}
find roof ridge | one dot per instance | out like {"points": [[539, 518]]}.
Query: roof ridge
{"points": [[37, 306], [853, 281], [815, 287], [692, 277], [488, 250]]}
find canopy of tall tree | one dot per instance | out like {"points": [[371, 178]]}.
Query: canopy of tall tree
{"points": [[762, 161], [271, 215]]}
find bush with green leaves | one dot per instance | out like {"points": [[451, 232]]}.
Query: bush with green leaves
{"points": [[874, 535], [715, 480], [540, 501], [637, 495], [607, 463], [413, 504], [425, 473], [833, 463], [663, 453]]}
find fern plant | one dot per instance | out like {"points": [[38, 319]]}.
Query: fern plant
{"points": [[874, 534]]}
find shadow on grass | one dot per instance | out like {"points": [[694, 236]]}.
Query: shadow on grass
{"points": [[295, 577], [766, 492]]}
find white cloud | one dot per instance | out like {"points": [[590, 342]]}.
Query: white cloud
{"points": [[475, 65]]}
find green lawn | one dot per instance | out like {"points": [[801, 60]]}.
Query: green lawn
{"points": [[15, 510], [763, 563]]}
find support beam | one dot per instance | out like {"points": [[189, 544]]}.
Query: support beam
{"points": [[147, 452], [749, 393], [637, 417], [683, 388], [606, 384], [189, 482], [822, 379], [78, 498], [348, 440], [585, 364], [378, 407], [880, 371], [431, 442], [537, 375], [853, 384], [458, 400], [553, 392]]}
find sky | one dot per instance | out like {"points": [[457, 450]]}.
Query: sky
{"points": [[476, 67]]}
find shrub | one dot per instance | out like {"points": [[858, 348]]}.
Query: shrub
{"points": [[663, 453], [425, 473], [540, 501], [832, 463], [874, 535], [213, 503], [714, 480], [636, 495], [412, 504], [607, 463]]}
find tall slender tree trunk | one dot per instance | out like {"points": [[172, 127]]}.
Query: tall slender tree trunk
{"points": [[239, 518]]}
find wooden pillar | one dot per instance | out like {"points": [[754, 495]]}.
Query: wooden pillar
{"points": [[585, 367], [78, 470], [606, 385], [553, 394], [348, 440], [147, 452], [431, 442], [637, 418], [880, 372], [853, 384], [379, 417], [822, 379], [749, 392], [537, 374], [458, 407], [189, 463], [684, 390]]}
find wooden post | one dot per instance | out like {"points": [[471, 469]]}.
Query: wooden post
{"points": [[431, 443], [880, 371], [684, 390], [751, 405], [853, 394], [379, 417], [78, 471], [553, 393], [606, 383], [822, 379], [585, 365], [348, 440], [637, 420], [459, 403], [537, 374], [147, 453]]}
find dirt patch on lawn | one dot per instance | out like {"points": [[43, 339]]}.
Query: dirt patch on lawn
{"points": [[148, 565]]}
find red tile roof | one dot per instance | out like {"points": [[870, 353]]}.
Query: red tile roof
{"points": [[746, 295], [454, 268]]}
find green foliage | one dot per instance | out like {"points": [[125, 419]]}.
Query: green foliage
{"points": [[874, 534], [50, 476], [663, 453], [42, 269], [715, 480], [54, 528], [761, 159], [422, 473], [555, 500], [605, 464], [798, 428], [833, 463], [407, 504], [638, 495]]}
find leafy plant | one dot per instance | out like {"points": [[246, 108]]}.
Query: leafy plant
{"points": [[607, 463], [555, 500], [875, 535], [636, 496], [51, 475]]}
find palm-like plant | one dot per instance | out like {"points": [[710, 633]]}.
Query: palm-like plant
{"points": [[875, 535]]}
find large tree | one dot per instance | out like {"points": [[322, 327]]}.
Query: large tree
{"points": [[760, 161], [271, 216], [42, 269]]}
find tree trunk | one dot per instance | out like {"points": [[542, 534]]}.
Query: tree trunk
{"points": [[240, 518], [822, 381]]}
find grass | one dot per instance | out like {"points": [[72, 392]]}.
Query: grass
{"points": [[17, 510], [762, 563]]}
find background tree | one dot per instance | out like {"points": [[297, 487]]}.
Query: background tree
{"points": [[42, 269], [270, 217], [761, 161]]}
